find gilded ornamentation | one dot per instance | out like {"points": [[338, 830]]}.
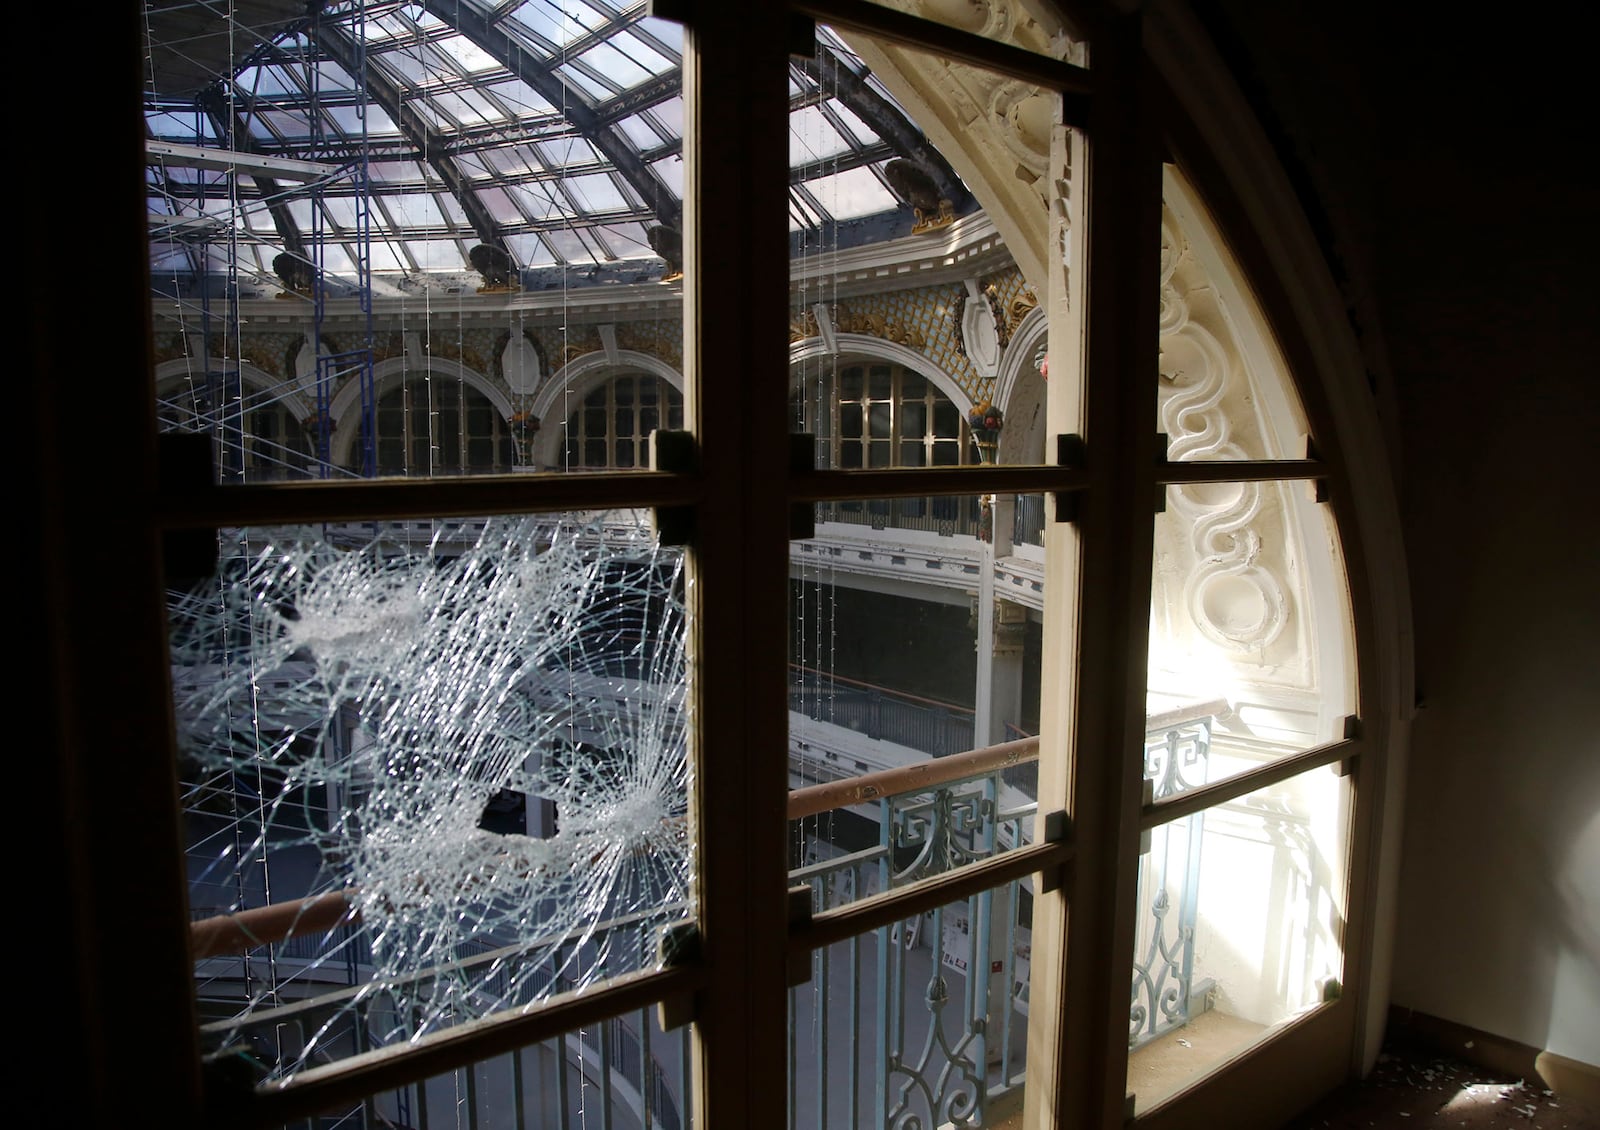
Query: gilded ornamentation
{"points": [[169, 348], [1002, 328], [1018, 310], [384, 346], [662, 340], [876, 325], [804, 326]]}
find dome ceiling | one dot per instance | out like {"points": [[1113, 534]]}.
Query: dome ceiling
{"points": [[550, 131]]}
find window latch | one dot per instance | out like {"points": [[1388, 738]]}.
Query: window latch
{"points": [[1073, 454], [184, 469], [675, 452]]}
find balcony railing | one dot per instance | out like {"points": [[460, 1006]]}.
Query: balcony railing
{"points": [[1027, 520], [948, 989], [922, 1022], [947, 517], [937, 728]]}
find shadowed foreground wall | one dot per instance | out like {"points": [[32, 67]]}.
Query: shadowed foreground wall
{"points": [[1448, 157]]}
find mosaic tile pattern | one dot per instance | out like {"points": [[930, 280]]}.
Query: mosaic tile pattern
{"points": [[661, 339], [925, 319], [926, 315]]}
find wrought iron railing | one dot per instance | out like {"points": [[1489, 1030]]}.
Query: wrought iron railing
{"points": [[919, 1023], [938, 729], [947, 989], [1165, 995], [1027, 520]]}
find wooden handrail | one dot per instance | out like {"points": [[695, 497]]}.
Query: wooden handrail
{"points": [[261, 925], [815, 799], [225, 934]]}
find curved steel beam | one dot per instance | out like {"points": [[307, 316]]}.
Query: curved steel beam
{"points": [[230, 124], [505, 50], [852, 90], [417, 130]]}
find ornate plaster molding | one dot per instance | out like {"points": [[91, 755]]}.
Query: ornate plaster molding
{"points": [[994, 131], [1226, 551]]}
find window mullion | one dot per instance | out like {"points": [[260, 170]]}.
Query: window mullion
{"points": [[1095, 654], [736, 313]]}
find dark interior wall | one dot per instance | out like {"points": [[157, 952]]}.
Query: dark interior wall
{"points": [[915, 646], [1449, 159]]}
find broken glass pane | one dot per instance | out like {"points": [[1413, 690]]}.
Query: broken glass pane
{"points": [[432, 771]]}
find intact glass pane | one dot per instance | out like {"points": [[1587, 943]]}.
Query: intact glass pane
{"points": [[917, 340], [624, 68], [431, 771], [1225, 390], [897, 266], [470, 56], [1239, 918], [1250, 634], [913, 641], [520, 97], [923, 1023], [557, 25]]}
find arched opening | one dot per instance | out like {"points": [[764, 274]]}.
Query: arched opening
{"points": [[432, 424], [867, 413], [944, 298], [258, 429], [610, 427]]}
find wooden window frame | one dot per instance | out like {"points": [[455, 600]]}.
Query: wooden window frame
{"points": [[119, 835]]}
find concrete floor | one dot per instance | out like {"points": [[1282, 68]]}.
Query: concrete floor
{"points": [[1415, 1087]]}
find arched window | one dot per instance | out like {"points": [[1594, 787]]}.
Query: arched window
{"points": [[880, 414], [258, 437], [433, 425], [727, 967], [612, 426]]}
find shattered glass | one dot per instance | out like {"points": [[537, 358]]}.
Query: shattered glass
{"points": [[432, 771]]}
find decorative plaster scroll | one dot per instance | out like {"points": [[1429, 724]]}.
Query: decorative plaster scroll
{"points": [[844, 320], [1234, 596], [994, 131], [1027, 115], [808, 324]]}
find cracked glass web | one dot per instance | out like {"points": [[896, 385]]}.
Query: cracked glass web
{"points": [[428, 776]]}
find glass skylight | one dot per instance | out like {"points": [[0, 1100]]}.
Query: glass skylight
{"points": [[559, 123]]}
